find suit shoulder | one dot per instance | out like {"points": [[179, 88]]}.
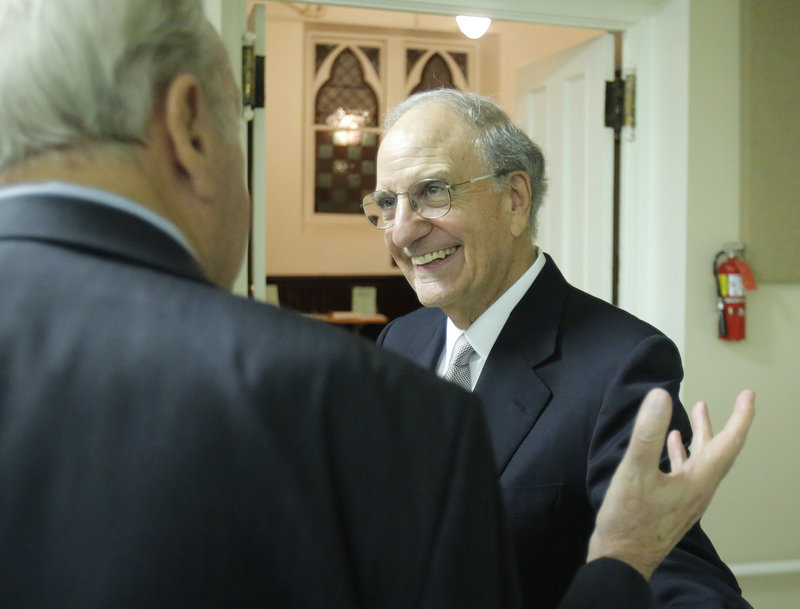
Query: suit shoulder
{"points": [[421, 317], [606, 315], [306, 353], [411, 332]]}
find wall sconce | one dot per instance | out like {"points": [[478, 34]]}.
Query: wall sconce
{"points": [[473, 27]]}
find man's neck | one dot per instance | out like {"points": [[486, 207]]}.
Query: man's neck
{"points": [[91, 168], [463, 317]]}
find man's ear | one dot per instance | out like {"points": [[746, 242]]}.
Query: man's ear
{"points": [[187, 122], [520, 193]]}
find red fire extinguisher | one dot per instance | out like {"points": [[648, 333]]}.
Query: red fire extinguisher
{"points": [[733, 278]]}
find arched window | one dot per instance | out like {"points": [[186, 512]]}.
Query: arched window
{"points": [[346, 114], [353, 78], [435, 75], [346, 92], [434, 69]]}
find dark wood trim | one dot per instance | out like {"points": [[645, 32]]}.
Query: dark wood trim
{"points": [[322, 294]]}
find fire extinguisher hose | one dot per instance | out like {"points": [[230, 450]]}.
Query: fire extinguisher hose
{"points": [[723, 327]]}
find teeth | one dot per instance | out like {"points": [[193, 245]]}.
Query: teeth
{"points": [[431, 256]]}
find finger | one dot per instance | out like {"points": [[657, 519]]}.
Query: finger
{"points": [[701, 426], [741, 419], [676, 450], [649, 429], [726, 445]]}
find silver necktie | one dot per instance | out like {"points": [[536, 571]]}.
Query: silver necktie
{"points": [[458, 370]]}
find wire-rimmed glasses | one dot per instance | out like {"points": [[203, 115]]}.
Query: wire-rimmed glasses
{"points": [[430, 199]]}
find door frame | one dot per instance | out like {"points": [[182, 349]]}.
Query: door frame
{"points": [[654, 173]]}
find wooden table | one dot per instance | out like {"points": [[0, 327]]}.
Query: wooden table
{"points": [[355, 321]]}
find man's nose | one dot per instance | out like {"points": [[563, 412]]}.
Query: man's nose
{"points": [[408, 224]]}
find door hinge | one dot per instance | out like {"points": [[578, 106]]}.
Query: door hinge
{"points": [[621, 102], [252, 74]]}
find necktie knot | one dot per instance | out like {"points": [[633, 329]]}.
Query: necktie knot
{"points": [[458, 370]]}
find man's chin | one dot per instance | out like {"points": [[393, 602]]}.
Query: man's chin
{"points": [[430, 295]]}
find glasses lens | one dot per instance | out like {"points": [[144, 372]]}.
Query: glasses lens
{"points": [[379, 208], [430, 198]]}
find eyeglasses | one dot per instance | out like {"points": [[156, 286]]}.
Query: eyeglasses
{"points": [[430, 199]]}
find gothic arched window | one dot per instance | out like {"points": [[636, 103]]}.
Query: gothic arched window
{"points": [[346, 112]]}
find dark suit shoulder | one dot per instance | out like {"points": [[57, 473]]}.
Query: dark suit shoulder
{"points": [[417, 336], [419, 318], [604, 314], [296, 360]]}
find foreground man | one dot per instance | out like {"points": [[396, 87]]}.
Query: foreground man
{"points": [[166, 444], [560, 373]]}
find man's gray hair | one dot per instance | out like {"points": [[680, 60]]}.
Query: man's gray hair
{"points": [[501, 144], [74, 72]]}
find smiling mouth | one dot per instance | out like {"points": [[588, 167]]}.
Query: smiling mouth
{"points": [[431, 256]]}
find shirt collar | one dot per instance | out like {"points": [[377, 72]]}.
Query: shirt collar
{"points": [[101, 197]]}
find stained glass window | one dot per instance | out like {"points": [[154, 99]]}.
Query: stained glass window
{"points": [[354, 79], [374, 56], [435, 75], [345, 170], [346, 140]]}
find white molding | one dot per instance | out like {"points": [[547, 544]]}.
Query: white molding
{"points": [[618, 15], [766, 567]]}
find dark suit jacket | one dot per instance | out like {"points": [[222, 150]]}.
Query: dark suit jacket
{"points": [[166, 444], [561, 388]]}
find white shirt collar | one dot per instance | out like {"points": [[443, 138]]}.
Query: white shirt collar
{"points": [[484, 331], [102, 197]]}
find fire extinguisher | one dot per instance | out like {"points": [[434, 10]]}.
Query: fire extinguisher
{"points": [[733, 278]]}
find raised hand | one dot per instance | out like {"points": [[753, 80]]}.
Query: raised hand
{"points": [[646, 512]]}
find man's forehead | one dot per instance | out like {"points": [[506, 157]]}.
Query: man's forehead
{"points": [[429, 133], [430, 122]]}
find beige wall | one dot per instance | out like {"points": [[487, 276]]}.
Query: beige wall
{"points": [[770, 147], [299, 243], [754, 516]]}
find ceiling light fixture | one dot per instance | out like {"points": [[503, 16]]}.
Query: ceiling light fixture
{"points": [[473, 27]]}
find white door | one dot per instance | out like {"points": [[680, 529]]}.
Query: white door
{"points": [[561, 106], [230, 19], [256, 160]]}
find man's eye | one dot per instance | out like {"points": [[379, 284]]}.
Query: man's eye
{"points": [[387, 201], [434, 190]]}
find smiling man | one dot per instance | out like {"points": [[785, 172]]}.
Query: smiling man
{"points": [[560, 373], [458, 262]]}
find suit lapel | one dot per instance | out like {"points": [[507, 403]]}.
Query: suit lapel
{"points": [[512, 392], [421, 338], [430, 353]]}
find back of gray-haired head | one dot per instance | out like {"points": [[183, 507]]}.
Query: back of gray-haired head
{"points": [[74, 72], [501, 144]]}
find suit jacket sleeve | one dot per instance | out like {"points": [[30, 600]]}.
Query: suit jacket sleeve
{"points": [[607, 583]]}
